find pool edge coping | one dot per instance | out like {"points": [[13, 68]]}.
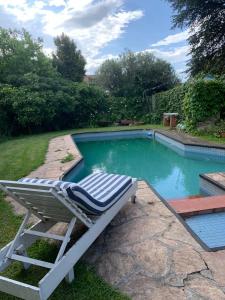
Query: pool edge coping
{"points": [[199, 144]]}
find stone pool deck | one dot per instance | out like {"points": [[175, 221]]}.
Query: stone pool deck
{"points": [[145, 252], [148, 254], [187, 139]]}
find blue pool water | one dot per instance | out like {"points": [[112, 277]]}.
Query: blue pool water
{"points": [[172, 175]]}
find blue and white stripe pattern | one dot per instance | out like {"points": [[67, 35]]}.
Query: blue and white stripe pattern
{"points": [[62, 185], [95, 193]]}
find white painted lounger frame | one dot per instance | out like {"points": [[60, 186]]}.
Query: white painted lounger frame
{"points": [[50, 206]]}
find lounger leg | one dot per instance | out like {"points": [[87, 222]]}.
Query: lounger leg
{"points": [[133, 199], [26, 266], [70, 276]]}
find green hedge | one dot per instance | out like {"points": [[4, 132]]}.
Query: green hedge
{"points": [[126, 108], [204, 99], [169, 101], [45, 105]]}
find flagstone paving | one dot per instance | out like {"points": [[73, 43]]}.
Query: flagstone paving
{"points": [[148, 254], [145, 251]]}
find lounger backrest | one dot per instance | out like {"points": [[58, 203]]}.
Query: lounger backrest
{"points": [[41, 199]]}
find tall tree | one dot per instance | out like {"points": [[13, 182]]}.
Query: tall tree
{"points": [[20, 55], [206, 21], [68, 59], [136, 74]]}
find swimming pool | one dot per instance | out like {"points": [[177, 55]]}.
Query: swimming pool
{"points": [[171, 174]]}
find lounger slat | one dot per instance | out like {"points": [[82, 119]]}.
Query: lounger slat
{"points": [[54, 215], [29, 191], [19, 289], [44, 234], [32, 261], [42, 202], [46, 207], [57, 217], [48, 210], [28, 196], [15, 184]]}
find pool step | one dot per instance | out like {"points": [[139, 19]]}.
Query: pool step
{"points": [[188, 207]]}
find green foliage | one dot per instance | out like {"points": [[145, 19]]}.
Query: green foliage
{"points": [[67, 158], [20, 55], [127, 108], [136, 75], [169, 101], [68, 60], [206, 21], [93, 104], [203, 99], [34, 97], [131, 80], [53, 105]]}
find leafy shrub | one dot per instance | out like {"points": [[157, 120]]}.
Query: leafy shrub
{"points": [[126, 108], [203, 99], [169, 101], [92, 104], [7, 116], [45, 104]]}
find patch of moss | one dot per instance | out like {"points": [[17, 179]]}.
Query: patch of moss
{"points": [[67, 158]]}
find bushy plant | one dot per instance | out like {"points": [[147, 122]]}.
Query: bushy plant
{"points": [[127, 108], [53, 105], [203, 99], [92, 104], [169, 101]]}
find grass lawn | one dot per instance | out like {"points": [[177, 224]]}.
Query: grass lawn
{"points": [[18, 157]]}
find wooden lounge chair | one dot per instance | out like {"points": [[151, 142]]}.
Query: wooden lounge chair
{"points": [[94, 201]]}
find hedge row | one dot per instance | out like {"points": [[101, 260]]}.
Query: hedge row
{"points": [[49, 105], [195, 101], [44, 104], [203, 100], [169, 101]]}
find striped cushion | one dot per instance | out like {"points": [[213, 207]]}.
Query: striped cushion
{"points": [[95, 193], [99, 191]]}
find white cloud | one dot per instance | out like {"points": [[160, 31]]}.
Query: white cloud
{"points": [[22, 10], [56, 3], [176, 55], [94, 63], [48, 51], [174, 49], [172, 39], [92, 32], [93, 25]]}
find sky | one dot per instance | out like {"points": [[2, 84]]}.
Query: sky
{"points": [[102, 29]]}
